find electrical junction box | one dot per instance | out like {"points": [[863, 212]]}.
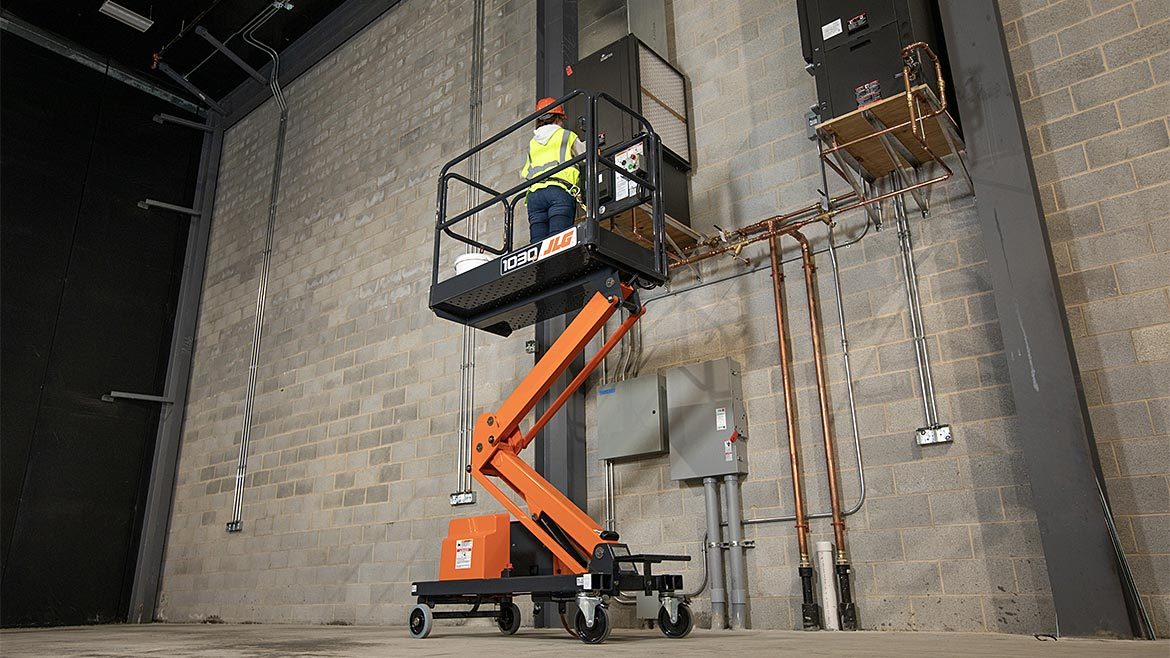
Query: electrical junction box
{"points": [[708, 425], [631, 418]]}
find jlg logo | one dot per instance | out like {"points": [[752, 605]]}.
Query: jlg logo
{"points": [[558, 242], [532, 253]]}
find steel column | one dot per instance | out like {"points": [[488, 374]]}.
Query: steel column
{"points": [[161, 491], [1056, 437], [560, 446]]}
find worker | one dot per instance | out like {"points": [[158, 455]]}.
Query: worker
{"points": [[551, 202]]}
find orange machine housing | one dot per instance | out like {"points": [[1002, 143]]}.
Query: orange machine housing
{"points": [[476, 547]]}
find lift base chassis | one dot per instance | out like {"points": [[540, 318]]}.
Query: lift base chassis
{"points": [[609, 575]]}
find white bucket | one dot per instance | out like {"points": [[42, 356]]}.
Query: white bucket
{"points": [[468, 262]]}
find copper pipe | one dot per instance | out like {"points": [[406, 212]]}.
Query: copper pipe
{"points": [[789, 394], [823, 395]]}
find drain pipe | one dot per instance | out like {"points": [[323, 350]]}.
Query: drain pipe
{"points": [[715, 554], [236, 524], [736, 553], [828, 589]]}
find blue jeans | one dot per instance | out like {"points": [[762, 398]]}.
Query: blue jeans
{"points": [[550, 210]]}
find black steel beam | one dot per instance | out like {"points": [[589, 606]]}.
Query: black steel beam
{"points": [[560, 446], [186, 84], [1056, 436], [161, 491], [62, 46], [230, 54], [344, 23]]}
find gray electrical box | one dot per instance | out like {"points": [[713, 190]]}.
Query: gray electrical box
{"points": [[708, 426], [631, 418]]}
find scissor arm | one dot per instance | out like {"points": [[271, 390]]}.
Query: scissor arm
{"points": [[497, 439]]}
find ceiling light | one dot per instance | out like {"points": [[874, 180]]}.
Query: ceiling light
{"points": [[124, 15]]}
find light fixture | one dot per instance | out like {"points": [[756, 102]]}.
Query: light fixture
{"points": [[124, 15]]}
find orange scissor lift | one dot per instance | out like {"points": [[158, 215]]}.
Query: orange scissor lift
{"points": [[553, 550]]}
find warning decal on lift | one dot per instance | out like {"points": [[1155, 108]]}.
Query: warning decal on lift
{"points": [[830, 30], [720, 419], [539, 250], [463, 553]]}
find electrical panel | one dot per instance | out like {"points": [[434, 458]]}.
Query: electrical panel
{"points": [[854, 49], [635, 75], [708, 424], [631, 418]]}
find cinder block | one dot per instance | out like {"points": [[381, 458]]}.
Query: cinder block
{"points": [[1097, 30], [949, 613], [1137, 45], [1067, 71]]}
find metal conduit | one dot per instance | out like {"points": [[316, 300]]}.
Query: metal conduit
{"points": [[236, 523], [917, 328], [469, 339]]}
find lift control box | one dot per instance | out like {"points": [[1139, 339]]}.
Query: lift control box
{"points": [[631, 418], [708, 424]]}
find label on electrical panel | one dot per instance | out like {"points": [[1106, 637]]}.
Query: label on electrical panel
{"points": [[728, 451], [830, 30], [463, 553], [721, 419]]}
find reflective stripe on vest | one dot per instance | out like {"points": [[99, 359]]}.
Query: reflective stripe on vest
{"points": [[547, 156]]}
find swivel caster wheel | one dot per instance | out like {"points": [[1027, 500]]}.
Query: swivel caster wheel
{"points": [[422, 620], [598, 632], [679, 628], [509, 619]]}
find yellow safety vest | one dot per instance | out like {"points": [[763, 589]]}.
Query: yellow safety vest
{"points": [[542, 157]]}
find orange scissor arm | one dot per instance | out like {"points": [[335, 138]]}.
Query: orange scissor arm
{"points": [[497, 440]]}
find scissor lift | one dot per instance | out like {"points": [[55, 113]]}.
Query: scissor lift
{"points": [[597, 271]]}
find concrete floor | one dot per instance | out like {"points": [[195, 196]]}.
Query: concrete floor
{"points": [[265, 641]]}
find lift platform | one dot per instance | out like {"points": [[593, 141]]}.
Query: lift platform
{"points": [[553, 551]]}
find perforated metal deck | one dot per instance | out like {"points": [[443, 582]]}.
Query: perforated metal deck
{"points": [[487, 298]]}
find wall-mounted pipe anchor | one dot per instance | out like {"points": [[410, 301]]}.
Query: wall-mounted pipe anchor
{"points": [[123, 395], [935, 434], [147, 204]]}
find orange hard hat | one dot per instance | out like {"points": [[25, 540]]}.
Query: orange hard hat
{"points": [[547, 102]]}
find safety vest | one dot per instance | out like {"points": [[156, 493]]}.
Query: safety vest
{"points": [[543, 157]]}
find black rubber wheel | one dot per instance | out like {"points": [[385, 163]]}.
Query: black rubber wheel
{"points": [[680, 628], [597, 633], [509, 619], [422, 620]]}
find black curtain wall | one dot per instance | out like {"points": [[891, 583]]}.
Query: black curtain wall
{"points": [[88, 285]]}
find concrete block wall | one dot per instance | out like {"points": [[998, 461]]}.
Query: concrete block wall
{"points": [[352, 452], [1094, 85], [353, 447], [946, 539]]}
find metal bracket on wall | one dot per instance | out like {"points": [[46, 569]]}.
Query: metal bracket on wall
{"points": [[164, 118], [230, 54], [123, 395], [186, 84], [147, 204]]}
